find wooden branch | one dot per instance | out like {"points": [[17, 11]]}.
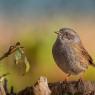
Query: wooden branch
{"points": [[60, 88], [11, 50]]}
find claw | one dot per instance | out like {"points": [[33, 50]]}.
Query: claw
{"points": [[67, 77]]}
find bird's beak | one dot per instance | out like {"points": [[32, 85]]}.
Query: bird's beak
{"points": [[56, 32]]}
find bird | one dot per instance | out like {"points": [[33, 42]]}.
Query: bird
{"points": [[69, 53]]}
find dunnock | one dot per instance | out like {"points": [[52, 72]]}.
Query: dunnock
{"points": [[69, 53]]}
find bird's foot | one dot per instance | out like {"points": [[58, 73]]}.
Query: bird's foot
{"points": [[67, 77], [81, 80]]}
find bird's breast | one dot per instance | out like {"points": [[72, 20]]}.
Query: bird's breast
{"points": [[66, 58]]}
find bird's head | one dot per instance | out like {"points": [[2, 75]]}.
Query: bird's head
{"points": [[67, 34]]}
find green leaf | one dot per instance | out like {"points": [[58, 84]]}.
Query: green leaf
{"points": [[20, 56], [27, 64]]}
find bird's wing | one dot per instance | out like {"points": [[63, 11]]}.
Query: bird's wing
{"points": [[84, 55]]}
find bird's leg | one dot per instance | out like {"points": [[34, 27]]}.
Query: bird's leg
{"points": [[67, 77], [81, 78]]}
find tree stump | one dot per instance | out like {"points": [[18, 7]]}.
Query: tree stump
{"points": [[42, 87]]}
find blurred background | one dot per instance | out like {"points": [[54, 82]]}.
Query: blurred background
{"points": [[33, 22]]}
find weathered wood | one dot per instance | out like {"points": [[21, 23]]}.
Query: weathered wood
{"points": [[2, 91], [39, 88], [60, 88]]}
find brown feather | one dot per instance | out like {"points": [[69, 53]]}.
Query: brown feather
{"points": [[84, 55]]}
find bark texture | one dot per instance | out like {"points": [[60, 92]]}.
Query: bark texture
{"points": [[42, 87]]}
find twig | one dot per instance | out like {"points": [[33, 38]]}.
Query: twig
{"points": [[10, 50]]}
